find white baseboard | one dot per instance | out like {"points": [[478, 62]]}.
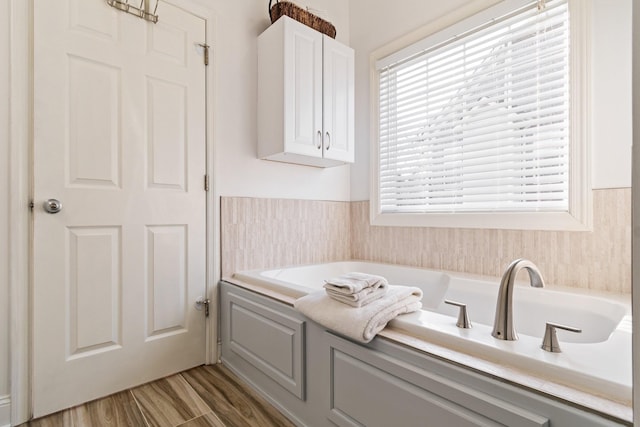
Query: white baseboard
{"points": [[5, 411]]}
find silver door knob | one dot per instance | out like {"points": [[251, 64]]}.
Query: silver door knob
{"points": [[52, 206]]}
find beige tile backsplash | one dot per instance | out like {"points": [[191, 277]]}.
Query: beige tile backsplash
{"points": [[600, 259], [262, 233]]}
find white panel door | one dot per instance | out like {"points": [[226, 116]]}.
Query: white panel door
{"points": [[303, 90], [119, 139], [338, 102]]}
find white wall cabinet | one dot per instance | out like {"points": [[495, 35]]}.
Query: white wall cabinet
{"points": [[305, 96]]}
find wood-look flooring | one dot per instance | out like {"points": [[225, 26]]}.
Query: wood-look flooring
{"points": [[201, 397]]}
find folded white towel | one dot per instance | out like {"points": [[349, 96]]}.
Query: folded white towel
{"points": [[361, 324], [351, 283], [361, 298]]}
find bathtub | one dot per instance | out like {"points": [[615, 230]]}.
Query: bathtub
{"points": [[596, 361]]}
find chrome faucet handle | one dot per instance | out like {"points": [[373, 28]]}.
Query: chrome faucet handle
{"points": [[550, 340], [463, 317]]}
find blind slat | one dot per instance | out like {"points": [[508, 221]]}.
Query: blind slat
{"points": [[480, 122]]}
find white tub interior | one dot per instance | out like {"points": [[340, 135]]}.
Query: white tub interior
{"points": [[598, 360], [597, 317]]}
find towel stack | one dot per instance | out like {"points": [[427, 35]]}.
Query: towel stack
{"points": [[359, 305], [356, 289]]}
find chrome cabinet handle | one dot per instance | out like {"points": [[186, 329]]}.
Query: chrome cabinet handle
{"points": [[328, 140], [319, 146], [550, 341], [52, 206], [463, 317]]}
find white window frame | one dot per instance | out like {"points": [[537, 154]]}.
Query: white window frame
{"points": [[579, 215]]}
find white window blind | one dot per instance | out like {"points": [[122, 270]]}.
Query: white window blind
{"points": [[480, 122]]}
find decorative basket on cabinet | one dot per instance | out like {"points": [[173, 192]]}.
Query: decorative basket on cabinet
{"points": [[293, 11]]}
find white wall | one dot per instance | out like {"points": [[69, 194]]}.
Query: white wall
{"points": [[375, 24], [635, 248], [4, 195], [612, 121], [238, 170]]}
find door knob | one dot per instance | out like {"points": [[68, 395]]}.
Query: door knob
{"points": [[52, 206]]}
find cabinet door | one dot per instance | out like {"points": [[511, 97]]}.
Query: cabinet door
{"points": [[303, 90], [338, 102]]}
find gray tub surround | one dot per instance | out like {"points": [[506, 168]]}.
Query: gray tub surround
{"points": [[314, 375]]}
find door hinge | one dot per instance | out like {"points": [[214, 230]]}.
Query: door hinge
{"points": [[206, 183], [31, 205], [202, 302], [205, 48]]}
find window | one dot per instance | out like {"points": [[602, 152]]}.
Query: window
{"points": [[475, 125]]}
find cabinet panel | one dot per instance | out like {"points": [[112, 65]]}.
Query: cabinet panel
{"points": [[338, 105], [365, 395], [303, 90], [373, 389], [271, 341]]}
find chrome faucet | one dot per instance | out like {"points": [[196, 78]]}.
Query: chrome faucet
{"points": [[503, 325]]}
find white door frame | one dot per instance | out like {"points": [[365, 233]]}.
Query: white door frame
{"points": [[20, 127], [21, 190]]}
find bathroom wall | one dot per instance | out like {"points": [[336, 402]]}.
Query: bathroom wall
{"points": [[598, 260], [612, 94], [238, 171], [4, 225], [636, 210], [376, 24], [262, 233], [595, 260]]}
